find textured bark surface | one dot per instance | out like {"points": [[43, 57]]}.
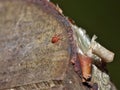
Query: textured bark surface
{"points": [[28, 58]]}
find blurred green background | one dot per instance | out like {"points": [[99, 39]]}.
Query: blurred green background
{"points": [[102, 18]]}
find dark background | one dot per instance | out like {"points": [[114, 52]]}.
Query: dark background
{"points": [[102, 18]]}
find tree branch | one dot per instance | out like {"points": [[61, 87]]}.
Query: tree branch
{"points": [[29, 60]]}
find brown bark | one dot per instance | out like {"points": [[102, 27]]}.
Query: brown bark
{"points": [[28, 58]]}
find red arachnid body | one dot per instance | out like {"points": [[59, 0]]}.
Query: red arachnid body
{"points": [[55, 38]]}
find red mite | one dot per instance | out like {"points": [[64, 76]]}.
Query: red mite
{"points": [[55, 38]]}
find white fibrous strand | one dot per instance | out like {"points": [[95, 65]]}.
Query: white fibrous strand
{"points": [[101, 51], [91, 48]]}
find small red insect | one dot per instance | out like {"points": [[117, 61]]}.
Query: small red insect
{"points": [[56, 38]]}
